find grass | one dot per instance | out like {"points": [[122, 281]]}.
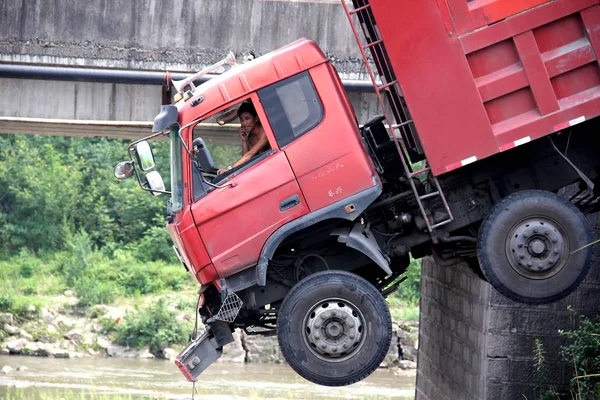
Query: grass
{"points": [[402, 311], [65, 394]]}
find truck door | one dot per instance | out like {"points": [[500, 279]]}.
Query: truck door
{"points": [[314, 124], [258, 198]]}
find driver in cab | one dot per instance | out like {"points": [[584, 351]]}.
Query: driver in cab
{"points": [[253, 137]]}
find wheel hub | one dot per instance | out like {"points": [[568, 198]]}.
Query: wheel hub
{"points": [[537, 248], [334, 329]]}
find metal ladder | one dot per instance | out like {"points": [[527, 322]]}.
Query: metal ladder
{"points": [[393, 92]]}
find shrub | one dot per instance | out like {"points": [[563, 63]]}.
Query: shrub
{"points": [[153, 325], [583, 353], [20, 305], [91, 291], [409, 291]]}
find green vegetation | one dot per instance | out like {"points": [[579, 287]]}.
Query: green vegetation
{"points": [[155, 325], [404, 303], [66, 394], [583, 354], [67, 224]]}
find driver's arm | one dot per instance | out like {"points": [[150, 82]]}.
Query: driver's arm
{"points": [[254, 150]]}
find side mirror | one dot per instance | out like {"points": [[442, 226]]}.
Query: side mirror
{"points": [[155, 181], [144, 155], [124, 170]]}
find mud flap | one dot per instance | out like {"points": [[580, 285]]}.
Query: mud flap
{"points": [[198, 355]]}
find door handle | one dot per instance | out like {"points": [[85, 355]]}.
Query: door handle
{"points": [[290, 202]]}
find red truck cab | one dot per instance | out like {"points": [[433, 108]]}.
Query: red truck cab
{"points": [[315, 159]]}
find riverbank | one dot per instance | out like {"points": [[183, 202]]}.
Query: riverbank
{"points": [[94, 378], [62, 329]]}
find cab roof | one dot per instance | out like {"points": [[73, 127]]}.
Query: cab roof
{"points": [[268, 69]]}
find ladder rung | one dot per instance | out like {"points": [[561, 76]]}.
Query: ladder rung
{"points": [[419, 172], [373, 44], [429, 195], [445, 222], [387, 85], [402, 124], [359, 9]]}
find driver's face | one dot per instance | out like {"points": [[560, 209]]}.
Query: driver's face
{"points": [[248, 122]]}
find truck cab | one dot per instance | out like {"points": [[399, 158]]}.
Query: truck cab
{"points": [[314, 162]]}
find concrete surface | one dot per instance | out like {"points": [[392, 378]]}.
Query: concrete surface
{"points": [[476, 344]]}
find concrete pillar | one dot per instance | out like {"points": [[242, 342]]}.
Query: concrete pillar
{"points": [[474, 343]]}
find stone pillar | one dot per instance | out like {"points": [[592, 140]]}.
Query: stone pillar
{"points": [[474, 343]]}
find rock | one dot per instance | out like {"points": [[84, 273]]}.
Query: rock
{"points": [[262, 349], [51, 329], [115, 350], [66, 345], [102, 342], [31, 309], [89, 338], [63, 322], [68, 293], [22, 368], [75, 335], [99, 310], [7, 317], [11, 330], [169, 353], [47, 316], [234, 352], [45, 349], [145, 353], [16, 346], [4, 351], [31, 349], [409, 353], [23, 333], [60, 353], [7, 370], [96, 328], [92, 352], [405, 364]]}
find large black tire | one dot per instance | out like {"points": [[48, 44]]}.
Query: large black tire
{"points": [[527, 247], [334, 328]]}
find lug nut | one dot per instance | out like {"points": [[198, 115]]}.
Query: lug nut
{"points": [[323, 347], [334, 350], [345, 345], [351, 337]]}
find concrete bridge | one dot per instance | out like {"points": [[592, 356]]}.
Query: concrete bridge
{"points": [[100, 45], [474, 343]]}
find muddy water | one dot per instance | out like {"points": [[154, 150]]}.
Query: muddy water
{"points": [[161, 379]]}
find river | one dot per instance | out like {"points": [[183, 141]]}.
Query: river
{"points": [[49, 378]]}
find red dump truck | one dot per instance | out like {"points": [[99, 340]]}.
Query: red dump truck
{"points": [[489, 112]]}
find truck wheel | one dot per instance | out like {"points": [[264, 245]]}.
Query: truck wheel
{"points": [[526, 247], [334, 328]]}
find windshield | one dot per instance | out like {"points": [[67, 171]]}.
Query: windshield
{"points": [[176, 170]]}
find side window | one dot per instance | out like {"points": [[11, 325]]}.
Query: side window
{"points": [[292, 107]]}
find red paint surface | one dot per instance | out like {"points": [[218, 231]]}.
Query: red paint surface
{"points": [[478, 75]]}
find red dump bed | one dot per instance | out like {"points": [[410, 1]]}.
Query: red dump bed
{"points": [[483, 76]]}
